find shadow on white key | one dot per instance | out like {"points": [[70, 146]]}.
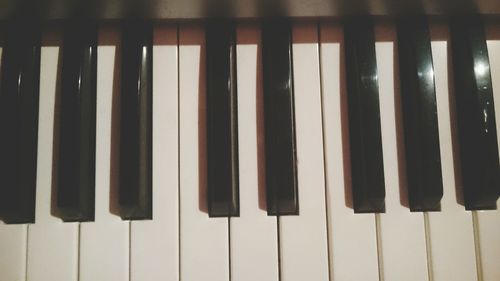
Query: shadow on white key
{"points": [[52, 243], [204, 245], [104, 244], [12, 248], [303, 238], [488, 222], [154, 244], [450, 232], [254, 238], [402, 248], [352, 237]]}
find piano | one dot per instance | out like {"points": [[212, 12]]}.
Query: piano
{"points": [[293, 140]]}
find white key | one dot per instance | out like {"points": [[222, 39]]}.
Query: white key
{"points": [[13, 251], [488, 222], [450, 232], [254, 240], [352, 237], [104, 244], [52, 243], [12, 248], [402, 233], [154, 247], [204, 245], [303, 238]]}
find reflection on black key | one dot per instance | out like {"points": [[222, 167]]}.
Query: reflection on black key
{"points": [[475, 114], [76, 184], [135, 193], [364, 117], [418, 95], [279, 119], [19, 94], [222, 124]]}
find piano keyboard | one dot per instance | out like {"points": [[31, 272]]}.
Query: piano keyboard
{"points": [[274, 151]]}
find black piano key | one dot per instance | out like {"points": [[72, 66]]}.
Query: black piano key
{"points": [[418, 95], [76, 173], [367, 166], [279, 119], [222, 120], [135, 182], [477, 135], [20, 82]]}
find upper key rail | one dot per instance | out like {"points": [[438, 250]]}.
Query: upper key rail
{"points": [[198, 9]]}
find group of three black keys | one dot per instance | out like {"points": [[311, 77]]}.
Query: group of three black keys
{"points": [[19, 97]]}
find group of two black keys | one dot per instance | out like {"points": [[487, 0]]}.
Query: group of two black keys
{"points": [[19, 95]]}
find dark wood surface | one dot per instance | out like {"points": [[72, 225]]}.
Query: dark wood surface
{"points": [[197, 9]]}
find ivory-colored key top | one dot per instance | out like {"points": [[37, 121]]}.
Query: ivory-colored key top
{"points": [[352, 237], [254, 238], [204, 245], [154, 244], [104, 244], [52, 243], [303, 238]]}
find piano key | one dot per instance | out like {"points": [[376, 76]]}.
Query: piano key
{"points": [[12, 247], [401, 232], [487, 227], [76, 182], [303, 239], [352, 237], [253, 235], [222, 120], [136, 122], [418, 96], [204, 244], [104, 243], [281, 170], [475, 115], [449, 232], [19, 94], [364, 117], [52, 243], [154, 244]]}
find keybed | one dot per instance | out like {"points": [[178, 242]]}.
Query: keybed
{"points": [[308, 227]]}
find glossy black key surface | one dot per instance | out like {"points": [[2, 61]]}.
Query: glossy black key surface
{"points": [[77, 123], [419, 110], [222, 120], [367, 168], [477, 135], [279, 119], [19, 95], [135, 186]]}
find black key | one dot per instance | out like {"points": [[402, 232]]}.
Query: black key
{"points": [[222, 120], [475, 114], [19, 94], [367, 168], [418, 95], [279, 119], [135, 193], [76, 173]]}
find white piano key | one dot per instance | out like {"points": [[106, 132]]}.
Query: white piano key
{"points": [[104, 244], [13, 251], [204, 245], [254, 240], [352, 237], [52, 244], [488, 222], [450, 232], [12, 248], [303, 238], [154, 244], [402, 233]]}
